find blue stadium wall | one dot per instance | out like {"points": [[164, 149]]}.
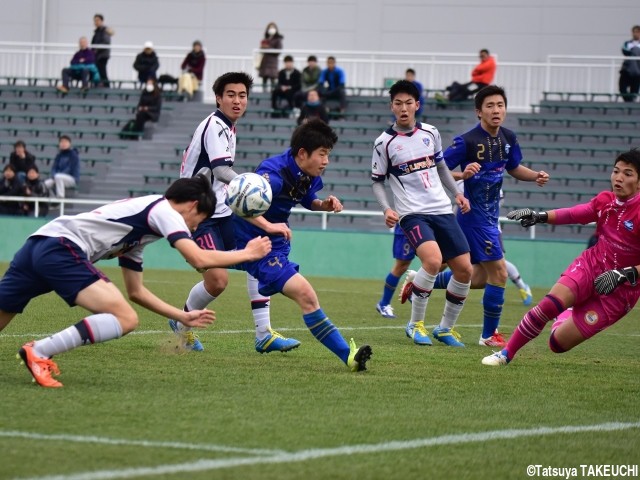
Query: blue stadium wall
{"points": [[335, 254]]}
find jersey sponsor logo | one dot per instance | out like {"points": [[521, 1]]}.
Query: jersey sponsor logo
{"points": [[591, 317], [628, 224]]}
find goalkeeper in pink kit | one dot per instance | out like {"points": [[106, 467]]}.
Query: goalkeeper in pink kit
{"points": [[601, 284]]}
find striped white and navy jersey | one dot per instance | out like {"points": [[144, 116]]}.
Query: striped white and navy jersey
{"points": [[120, 229], [213, 144], [409, 160]]}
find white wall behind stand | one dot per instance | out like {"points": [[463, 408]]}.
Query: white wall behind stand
{"points": [[517, 30]]}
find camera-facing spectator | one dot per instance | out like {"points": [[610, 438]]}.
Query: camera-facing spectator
{"points": [[65, 172], [146, 63], [83, 68], [10, 187], [21, 159], [34, 186]]}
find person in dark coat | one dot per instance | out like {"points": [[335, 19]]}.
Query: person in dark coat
{"points": [[268, 69], [21, 159], [34, 186], [10, 186], [149, 105], [146, 63], [102, 36], [313, 108]]}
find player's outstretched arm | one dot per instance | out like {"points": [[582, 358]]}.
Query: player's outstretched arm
{"points": [[138, 293], [608, 281], [203, 259], [528, 217], [527, 175]]}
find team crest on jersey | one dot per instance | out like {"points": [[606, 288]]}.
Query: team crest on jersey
{"points": [[628, 224], [426, 141], [591, 317]]}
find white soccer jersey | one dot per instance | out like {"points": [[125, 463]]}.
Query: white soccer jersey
{"points": [[213, 144], [408, 160], [120, 229]]}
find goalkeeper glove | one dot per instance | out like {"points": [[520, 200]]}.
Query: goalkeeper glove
{"points": [[528, 217], [606, 282]]}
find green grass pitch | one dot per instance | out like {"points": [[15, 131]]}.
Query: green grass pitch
{"points": [[133, 408]]}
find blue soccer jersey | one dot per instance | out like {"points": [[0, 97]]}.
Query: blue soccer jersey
{"points": [[290, 186], [495, 155]]}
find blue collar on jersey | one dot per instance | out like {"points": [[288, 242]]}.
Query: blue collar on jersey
{"points": [[218, 113]]}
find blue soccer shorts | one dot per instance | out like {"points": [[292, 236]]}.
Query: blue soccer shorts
{"points": [[443, 229]]}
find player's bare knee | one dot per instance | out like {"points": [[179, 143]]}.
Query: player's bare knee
{"points": [[128, 321], [215, 285], [554, 346]]}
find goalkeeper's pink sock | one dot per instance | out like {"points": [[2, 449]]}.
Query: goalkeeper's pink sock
{"points": [[533, 323]]}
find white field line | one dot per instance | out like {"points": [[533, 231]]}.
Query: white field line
{"points": [[139, 443], [316, 453]]}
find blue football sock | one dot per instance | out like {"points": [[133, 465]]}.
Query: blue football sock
{"points": [[327, 333], [493, 300], [442, 279], [390, 285]]}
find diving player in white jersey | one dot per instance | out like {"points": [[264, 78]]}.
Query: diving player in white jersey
{"points": [[409, 155], [59, 257], [213, 146]]}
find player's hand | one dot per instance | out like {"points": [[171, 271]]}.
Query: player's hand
{"points": [[257, 248], [542, 178], [470, 170], [606, 282], [463, 203], [198, 318], [527, 217], [278, 229], [391, 218], [332, 204]]}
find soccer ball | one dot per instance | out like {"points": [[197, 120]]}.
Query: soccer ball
{"points": [[249, 195]]}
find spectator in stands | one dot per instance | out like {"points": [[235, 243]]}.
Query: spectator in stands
{"points": [[332, 83], [146, 63], [10, 187], [289, 83], [410, 76], [83, 67], [629, 81], [310, 77], [313, 108], [65, 171], [21, 159], [481, 76], [102, 36], [192, 70], [268, 69], [149, 105], [34, 187]]}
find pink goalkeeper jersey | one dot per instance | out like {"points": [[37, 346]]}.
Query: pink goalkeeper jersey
{"points": [[618, 229]]}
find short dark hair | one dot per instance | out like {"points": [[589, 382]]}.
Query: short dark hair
{"points": [[312, 58], [197, 42], [632, 157], [404, 86], [331, 57], [99, 15], [9, 166], [19, 143], [288, 58], [487, 92], [411, 71], [190, 189], [231, 77], [484, 50], [311, 135], [64, 137]]}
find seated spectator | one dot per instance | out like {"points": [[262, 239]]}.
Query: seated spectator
{"points": [[192, 70], [146, 63], [310, 77], [10, 187], [313, 108], [149, 105], [289, 83], [332, 83], [21, 159], [629, 81], [410, 76], [65, 171], [481, 76], [33, 186], [83, 67]]}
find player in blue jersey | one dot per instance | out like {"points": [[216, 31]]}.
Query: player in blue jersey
{"points": [[483, 154], [59, 257], [213, 147], [409, 156], [294, 177]]}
